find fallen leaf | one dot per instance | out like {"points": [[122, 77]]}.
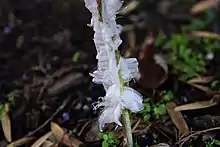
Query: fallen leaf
{"points": [[6, 123], [177, 118], [160, 145], [200, 80], [203, 5], [153, 72], [41, 140], [59, 133], [129, 7], [162, 62], [207, 90], [205, 34], [21, 142], [76, 142], [47, 143], [196, 105]]}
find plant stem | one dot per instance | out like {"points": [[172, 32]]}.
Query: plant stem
{"points": [[125, 115], [127, 127]]}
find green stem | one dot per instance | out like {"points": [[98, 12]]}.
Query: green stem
{"points": [[125, 115], [127, 127]]}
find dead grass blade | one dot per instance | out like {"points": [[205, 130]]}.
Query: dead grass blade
{"points": [[205, 34], [196, 105], [41, 140], [21, 141], [129, 7], [177, 118], [6, 123], [200, 80], [203, 5]]}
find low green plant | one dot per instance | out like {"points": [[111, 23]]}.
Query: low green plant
{"points": [[212, 143], [152, 110], [109, 140], [11, 101]]}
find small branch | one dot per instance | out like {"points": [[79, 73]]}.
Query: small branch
{"points": [[65, 102], [182, 141]]}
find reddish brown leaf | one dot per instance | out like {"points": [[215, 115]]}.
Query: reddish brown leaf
{"points": [[153, 67]]}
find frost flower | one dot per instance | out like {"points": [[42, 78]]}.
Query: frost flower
{"points": [[113, 71]]}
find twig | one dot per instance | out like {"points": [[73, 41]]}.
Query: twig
{"points": [[65, 102], [182, 141]]}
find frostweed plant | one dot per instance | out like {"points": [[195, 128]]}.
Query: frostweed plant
{"points": [[113, 72]]}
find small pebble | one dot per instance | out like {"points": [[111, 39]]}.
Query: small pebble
{"points": [[209, 56], [66, 116], [85, 107], [7, 30], [78, 106]]}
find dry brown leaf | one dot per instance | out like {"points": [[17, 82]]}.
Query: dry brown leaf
{"points": [[177, 118], [76, 142], [196, 105], [203, 5], [6, 123], [41, 140], [129, 7], [59, 133], [200, 80], [47, 143], [157, 74], [207, 90], [160, 145], [162, 62], [205, 34], [21, 141]]}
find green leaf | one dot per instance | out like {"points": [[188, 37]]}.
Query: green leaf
{"points": [[111, 141], [105, 144], [76, 57], [168, 96], [147, 117], [105, 137], [159, 110], [111, 135], [117, 142], [217, 142]]}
